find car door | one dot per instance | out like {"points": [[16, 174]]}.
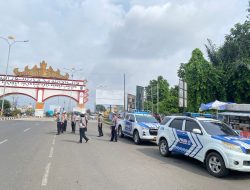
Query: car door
{"points": [[196, 146], [177, 133], [132, 124], [128, 124]]}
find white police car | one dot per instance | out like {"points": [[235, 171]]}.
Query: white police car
{"points": [[208, 140], [141, 126]]}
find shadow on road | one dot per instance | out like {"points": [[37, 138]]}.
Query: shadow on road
{"points": [[128, 140], [51, 133], [102, 139], [189, 164], [71, 141]]}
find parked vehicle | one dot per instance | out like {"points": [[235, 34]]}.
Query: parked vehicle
{"points": [[210, 141], [8, 113], [140, 126]]}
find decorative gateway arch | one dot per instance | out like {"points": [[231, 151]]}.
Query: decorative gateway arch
{"points": [[42, 84]]}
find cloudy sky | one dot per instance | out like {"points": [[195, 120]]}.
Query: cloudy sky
{"points": [[106, 38]]}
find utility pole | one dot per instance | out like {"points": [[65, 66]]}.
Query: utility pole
{"points": [[146, 98], [157, 97], [152, 108], [124, 89], [11, 41]]}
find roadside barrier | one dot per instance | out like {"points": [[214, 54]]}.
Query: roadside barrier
{"points": [[7, 118]]}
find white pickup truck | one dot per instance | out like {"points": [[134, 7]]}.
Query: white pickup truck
{"points": [[141, 126]]}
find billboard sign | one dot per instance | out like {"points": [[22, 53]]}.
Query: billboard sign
{"points": [[139, 98], [109, 97], [182, 94], [131, 99]]}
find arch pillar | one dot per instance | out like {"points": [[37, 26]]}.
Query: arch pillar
{"points": [[39, 110], [81, 103]]}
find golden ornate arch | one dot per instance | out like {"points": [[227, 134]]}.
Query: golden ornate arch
{"points": [[41, 72]]}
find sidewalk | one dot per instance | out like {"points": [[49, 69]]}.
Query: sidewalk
{"points": [[7, 118], [27, 118]]}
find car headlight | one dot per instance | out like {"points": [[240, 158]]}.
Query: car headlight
{"points": [[232, 147], [144, 128]]}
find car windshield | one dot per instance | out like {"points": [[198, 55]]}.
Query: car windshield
{"points": [[217, 128], [146, 119]]}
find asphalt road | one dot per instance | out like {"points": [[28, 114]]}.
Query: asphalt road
{"points": [[32, 157]]}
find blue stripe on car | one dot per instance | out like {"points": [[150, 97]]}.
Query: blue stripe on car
{"points": [[143, 125], [200, 148], [174, 139]]}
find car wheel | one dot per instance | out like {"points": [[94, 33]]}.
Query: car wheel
{"points": [[120, 133], [163, 148], [215, 165], [136, 137]]}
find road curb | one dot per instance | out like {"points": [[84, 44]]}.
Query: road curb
{"points": [[7, 118]]}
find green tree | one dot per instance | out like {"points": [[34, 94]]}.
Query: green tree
{"points": [[16, 112], [6, 105], [170, 104], [151, 89], [212, 53], [30, 111], [227, 76], [100, 108], [168, 97], [232, 59], [202, 79]]}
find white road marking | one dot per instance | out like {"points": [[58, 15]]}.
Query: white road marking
{"points": [[46, 175], [26, 130], [51, 152], [54, 140], [5, 140]]}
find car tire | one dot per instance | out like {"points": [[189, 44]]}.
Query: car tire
{"points": [[215, 165], [136, 137], [163, 148], [120, 133]]}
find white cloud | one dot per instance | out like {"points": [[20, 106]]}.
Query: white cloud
{"points": [[143, 38]]}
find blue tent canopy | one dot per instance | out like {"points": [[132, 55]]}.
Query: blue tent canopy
{"points": [[217, 105]]}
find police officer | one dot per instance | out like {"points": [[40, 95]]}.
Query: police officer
{"points": [[73, 122], [114, 128], [59, 123], [100, 120], [83, 128], [64, 121]]}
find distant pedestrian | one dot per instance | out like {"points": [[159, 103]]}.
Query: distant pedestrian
{"points": [[83, 127], [86, 119], [64, 121], [114, 128], [157, 117], [59, 123], [73, 122], [100, 120]]}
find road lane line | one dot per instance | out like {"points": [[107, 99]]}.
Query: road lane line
{"points": [[26, 130], [46, 175], [54, 140], [51, 152], [5, 140]]}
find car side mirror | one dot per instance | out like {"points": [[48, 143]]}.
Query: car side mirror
{"points": [[131, 120], [197, 131]]}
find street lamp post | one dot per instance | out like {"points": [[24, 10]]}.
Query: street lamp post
{"points": [[73, 70], [101, 86], [11, 41]]}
